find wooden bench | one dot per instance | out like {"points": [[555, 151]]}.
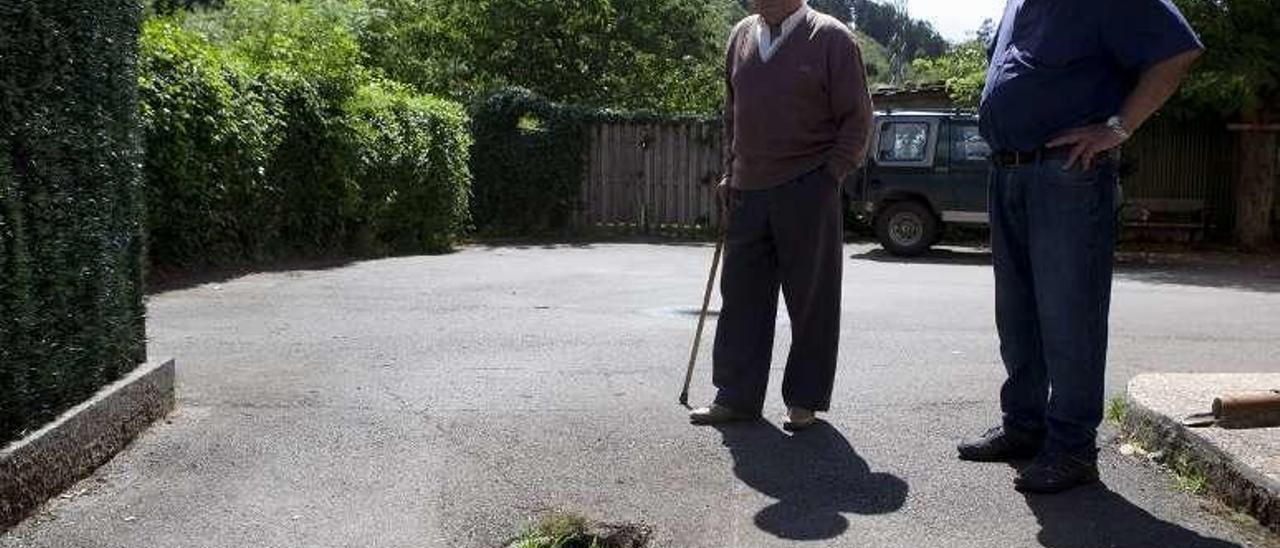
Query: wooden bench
{"points": [[1190, 217]]}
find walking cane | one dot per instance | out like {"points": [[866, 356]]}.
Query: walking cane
{"points": [[702, 318]]}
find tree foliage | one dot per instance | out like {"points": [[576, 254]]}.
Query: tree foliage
{"points": [[1239, 75], [963, 68], [876, 58], [887, 25], [262, 145], [652, 54]]}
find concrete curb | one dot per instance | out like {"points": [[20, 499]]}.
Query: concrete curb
{"points": [[1230, 479], [47, 462]]}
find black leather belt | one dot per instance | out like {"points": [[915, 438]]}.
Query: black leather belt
{"points": [[1013, 158]]}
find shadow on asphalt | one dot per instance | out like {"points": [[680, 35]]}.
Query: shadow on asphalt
{"points": [[175, 280], [1245, 277], [1096, 516], [815, 476], [1245, 273], [932, 256]]}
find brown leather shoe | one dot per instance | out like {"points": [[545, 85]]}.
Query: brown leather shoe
{"points": [[798, 418], [717, 414]]}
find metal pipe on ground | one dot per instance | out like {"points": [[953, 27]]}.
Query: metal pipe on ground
{"points": [[1248, 410]]}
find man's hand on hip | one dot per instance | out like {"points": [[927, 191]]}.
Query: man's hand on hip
{"points": [[1087, 142]]}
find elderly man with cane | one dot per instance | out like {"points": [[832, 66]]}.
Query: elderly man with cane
{"points": [[797, 121], [1069, 81]]}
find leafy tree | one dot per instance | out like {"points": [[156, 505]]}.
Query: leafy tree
{"points": [[657, 54], [903, 39], [165, 7], [963, 68], [906, 39], [1239, 79], [876, 58], [315, 40], [840, 9]]}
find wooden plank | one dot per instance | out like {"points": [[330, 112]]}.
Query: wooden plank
{"points": [[606, 173], [582, 214], [637, 173], [671, 132], [686, 175], [597, 175], [659, 177]]}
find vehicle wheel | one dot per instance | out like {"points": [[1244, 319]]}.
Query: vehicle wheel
{"points": [[907, 228]]}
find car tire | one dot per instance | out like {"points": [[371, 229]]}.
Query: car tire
{"points": [[907, 228]]}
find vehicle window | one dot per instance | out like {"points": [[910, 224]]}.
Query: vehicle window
{"points": [[967, 145], [904, 142]]}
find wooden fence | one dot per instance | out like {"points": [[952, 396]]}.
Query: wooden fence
{"points": [[651, 178], [1179, 161]]}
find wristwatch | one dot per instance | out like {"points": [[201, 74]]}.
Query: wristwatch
{"points": [[1116, 124]]}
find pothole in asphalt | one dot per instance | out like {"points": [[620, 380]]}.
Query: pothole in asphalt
{"points": [[566, 530]]}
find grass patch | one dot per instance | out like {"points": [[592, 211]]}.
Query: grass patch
{"points": [[558, 530], [1192, 482], [1189, 478], [1117, 409]]}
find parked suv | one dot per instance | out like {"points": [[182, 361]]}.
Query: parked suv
{"points": [[925, 170]]}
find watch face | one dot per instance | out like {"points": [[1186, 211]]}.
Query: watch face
{"points": [[1117, 125]]}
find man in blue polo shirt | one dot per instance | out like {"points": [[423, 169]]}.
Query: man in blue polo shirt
{"points": [[1069, 81]]}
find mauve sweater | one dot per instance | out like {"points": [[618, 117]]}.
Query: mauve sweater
{"points": [[808, 106]]}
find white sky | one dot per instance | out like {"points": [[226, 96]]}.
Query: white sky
{"points": [[955, 18]]}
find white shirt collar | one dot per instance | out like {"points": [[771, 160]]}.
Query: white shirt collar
{"points": [[768, 44]]}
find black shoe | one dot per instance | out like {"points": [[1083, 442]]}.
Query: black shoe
{"points": [[1051, 474], [997, 445]]}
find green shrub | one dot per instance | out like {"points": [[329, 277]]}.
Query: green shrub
{"points": [[412, 168], [307, 60], [71, 312], [250, 160], [314, 41], [210, 133], [314, 169], [657, 54]]}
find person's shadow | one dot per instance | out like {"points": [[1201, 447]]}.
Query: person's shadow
{"points": [[815, 475], [1094, 516]]}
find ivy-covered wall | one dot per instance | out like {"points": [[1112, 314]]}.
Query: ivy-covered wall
{"points": [[71, 244]]}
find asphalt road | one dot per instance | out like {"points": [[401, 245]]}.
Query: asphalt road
{"points": [[442, 401]]}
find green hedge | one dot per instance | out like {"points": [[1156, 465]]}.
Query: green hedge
{"points": [[210, 133], [413, 168], [249, 163], [71, 312], [529, 158]]}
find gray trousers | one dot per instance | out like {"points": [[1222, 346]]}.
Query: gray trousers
{"points": [[790, 236]]}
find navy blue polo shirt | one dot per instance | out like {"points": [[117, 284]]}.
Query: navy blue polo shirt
{"points": [[1061, 64]]}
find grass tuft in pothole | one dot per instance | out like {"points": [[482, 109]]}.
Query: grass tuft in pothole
{"points": [[567, 530]]}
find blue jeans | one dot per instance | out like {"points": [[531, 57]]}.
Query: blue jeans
{"points": [[1053, 241]]}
